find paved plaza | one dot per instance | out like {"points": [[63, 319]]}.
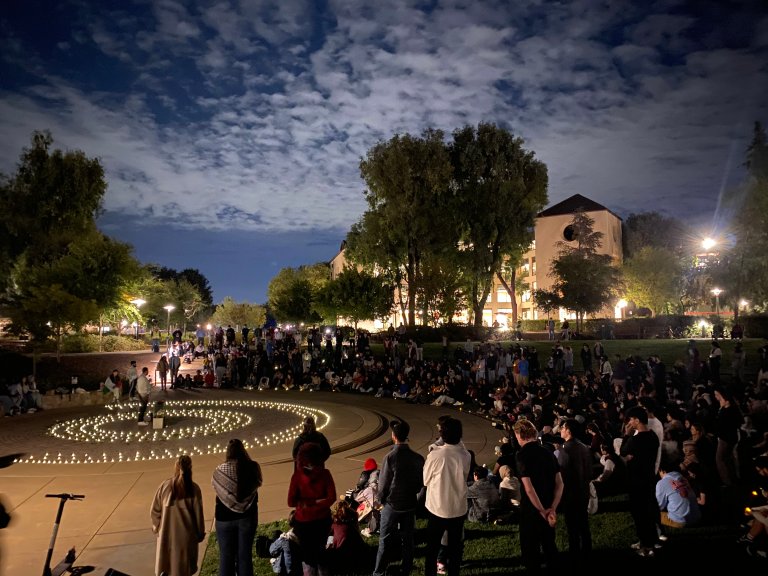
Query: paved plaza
{"points": [[100, 452]]}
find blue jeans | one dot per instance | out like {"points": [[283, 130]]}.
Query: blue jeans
{"points": [[236, 545], [394, 524]]}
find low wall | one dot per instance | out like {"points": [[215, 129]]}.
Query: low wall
{"points": [[53, 400]]}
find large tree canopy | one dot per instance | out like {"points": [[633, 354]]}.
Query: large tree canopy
{"points": [[500, 187], [292, 292], [652, 279], [355, 295], [50, 242], [407, 180]]}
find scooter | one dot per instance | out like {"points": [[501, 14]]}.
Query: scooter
{"points": [[66, 564]]}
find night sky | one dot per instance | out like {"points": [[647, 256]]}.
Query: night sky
{"points": [[231, 131]]}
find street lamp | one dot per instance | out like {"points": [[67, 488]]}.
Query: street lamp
{"points": [[717, 292], [168, 308], [138, 302], [621, 304], [708, 243]]}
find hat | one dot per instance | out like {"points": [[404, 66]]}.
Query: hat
{"points": [[400, 429], [370, 465]]}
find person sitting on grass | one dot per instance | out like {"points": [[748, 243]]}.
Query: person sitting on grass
{"points": [[757, 535], [346, 552], [676, 497], [483, 496], [286, 551]]}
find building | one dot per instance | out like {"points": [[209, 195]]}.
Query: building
{"points": [[552, 226]]}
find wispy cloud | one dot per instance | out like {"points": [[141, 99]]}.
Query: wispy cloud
{"points": [[254, 115]]}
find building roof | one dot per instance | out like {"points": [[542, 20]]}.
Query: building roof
{"points": [[573, 204]]}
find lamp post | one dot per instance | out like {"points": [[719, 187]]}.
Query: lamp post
{"points": [[168, 308], [717, 292], [138, 302]]}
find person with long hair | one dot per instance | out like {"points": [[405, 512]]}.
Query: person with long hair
{"points": [[312, 492], [178, 521], [310, 433], [236, 482]]}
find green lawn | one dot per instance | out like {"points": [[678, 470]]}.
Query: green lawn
{"points": [[492, 550]]}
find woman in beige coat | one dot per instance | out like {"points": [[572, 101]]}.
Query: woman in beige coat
{"points": [[177, 520]]}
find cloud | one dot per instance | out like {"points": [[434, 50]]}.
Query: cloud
{"points": [[253, 116]]}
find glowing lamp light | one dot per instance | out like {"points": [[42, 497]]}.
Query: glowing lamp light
{"points": [[708, 243]]}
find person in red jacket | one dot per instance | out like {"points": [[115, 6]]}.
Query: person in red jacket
{"points": [[312, 492]]}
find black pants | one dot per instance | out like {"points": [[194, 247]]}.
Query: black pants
{"points": [[143, 408]]}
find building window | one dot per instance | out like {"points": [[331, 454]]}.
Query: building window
{"points": [[533, 266], [502, 295], [526, 297], [569, 233]]}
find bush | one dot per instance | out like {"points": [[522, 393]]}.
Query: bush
{"points": [[90, 343]]}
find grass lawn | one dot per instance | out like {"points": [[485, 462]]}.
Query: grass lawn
{"points": [[495, 550]]}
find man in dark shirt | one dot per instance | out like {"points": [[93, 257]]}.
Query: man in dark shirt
{"points": [[639, 451], [400, 482], [542, 489], [576, 465]]}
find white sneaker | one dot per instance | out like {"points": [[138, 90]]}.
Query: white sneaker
{"points": [[366, 532]]}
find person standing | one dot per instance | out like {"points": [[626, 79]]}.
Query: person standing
{"points": [[400, 482], [174, 365], [236, 482], [551, 329], [143, 391], [178, 521], [311, 492], [132, 377], [162, 371], [542, 489], [639, 451], [446, 470], [310, 433], [727, 425], [576, 466]]}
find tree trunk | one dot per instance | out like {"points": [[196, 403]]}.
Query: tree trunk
{"points": [[411, 280], [511, 292]]}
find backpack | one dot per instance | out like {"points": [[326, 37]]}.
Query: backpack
{"points": [[262, 546]]}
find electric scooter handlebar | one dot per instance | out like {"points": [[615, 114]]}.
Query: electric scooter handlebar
{"points": [[65, 496]]}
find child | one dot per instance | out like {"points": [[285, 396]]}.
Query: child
{"points": [[346, 552], [286, 552], [366, 492]]}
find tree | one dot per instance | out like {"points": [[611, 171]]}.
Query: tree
{"points": [[234, 313], [53, 197], [654, 230], [407, 180], [507, 275], [652, 278], [356, 295], [441, 294], [547, 300], [499, 189], [741, 269], [196, 303], [291, 293], [584, 279]]}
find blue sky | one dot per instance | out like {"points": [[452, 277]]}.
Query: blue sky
{"points": [[231, 130]]}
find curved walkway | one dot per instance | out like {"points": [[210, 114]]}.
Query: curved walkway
{"points": [[110, 527]]}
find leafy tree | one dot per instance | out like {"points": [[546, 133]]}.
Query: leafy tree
{"points": [[499, 189], [741, 270], [356, 295], [547, 300], [652, 278], [407, 179], [234, 313], [584, 279], [197, 303], [291, 293], [441, 295], [53, 197], [654, 230]]}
